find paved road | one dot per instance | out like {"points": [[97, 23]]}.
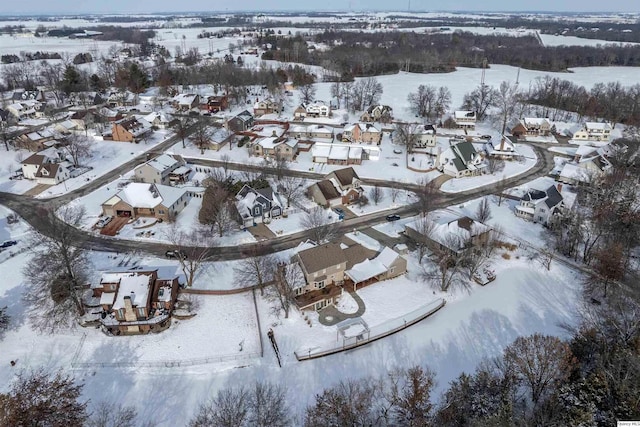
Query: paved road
{"points": [[35, 211]]}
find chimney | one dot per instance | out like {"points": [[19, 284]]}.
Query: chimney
{"points": [[559, 187]]}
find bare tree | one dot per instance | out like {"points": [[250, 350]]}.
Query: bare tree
{"points": [[501, 187], [318, 224], [78, 148], [483, 212], [287, 278], [506, 101], [426, 195], [307, 92], [229, 408], [108, 414], [4, 320], [608, 268], [545, 257], [376, 194], [423, 102], [394, 190], [480, 100], [494, 164], [193, 248], [57, 271], [292, 188], [423, 227], [406, 134], [443, 269], [217, 208], [255, 270], [540, 362], [201, 135], [182, 127], [410, 396], [39, 398], [269, 407]]}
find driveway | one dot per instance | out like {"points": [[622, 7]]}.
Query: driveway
{"points": [[114, 226], [261, 232]]}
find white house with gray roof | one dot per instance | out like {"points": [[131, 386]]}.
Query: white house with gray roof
{"points": [[460, 160], [540, 205]]}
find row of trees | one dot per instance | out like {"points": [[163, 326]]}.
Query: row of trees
{"points": [[357, 96]]}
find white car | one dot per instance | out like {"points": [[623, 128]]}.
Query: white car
{"points": [[103, 221]]}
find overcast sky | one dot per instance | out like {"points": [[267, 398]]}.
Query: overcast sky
{"points": [[149, 6]]}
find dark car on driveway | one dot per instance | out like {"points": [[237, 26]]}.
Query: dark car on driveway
{"points": [[393, 217], [174, 254], [339, 211]]}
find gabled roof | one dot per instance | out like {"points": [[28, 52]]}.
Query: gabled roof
{"points": [[163, 162], [321, 257], [346, 176], [328, 190], [554, 198], [142, 195]]}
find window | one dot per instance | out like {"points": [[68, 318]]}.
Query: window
{"points": [[392, 270], [160, 212], [120, 313], [141, 312], [299, 291], [256, 211], [320, 284]]}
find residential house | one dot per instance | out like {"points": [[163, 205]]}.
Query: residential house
{"points": [[592, 131], [65, 127], [362, 133], [147, 200], [161, 170], [506, 149], [443, 230], [257, 206], [311, 132], [217, 103], [129, 129], [377, 113], [137, 301], [424, 136], [83, 119], [40, 140], [86, 99], [160, 120], [340, 187], [267, 106], [337, 154], [312, 110], [28, 95], [323, 268], [276, 148], [541, 205], [461, 160], [25, 109], [465, 119], [121, 99], [240, 123], [219, 138], [185, 102], [531, 126], [109, 115], [588, 163]]}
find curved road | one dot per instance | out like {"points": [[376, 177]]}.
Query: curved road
{"points": [[35, 211]]}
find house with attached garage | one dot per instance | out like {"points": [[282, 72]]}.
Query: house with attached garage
{"points": [[160, 120], [84, 119], [47, 167], [147, 200], [531, 126], [129, 129], [588, 163], [311, 132], [185, 102], [592, 131], [266, 106], [541, 205], [257, 206], [444, 230], [424, 136], [312, 110], [465, 119], [276, 148], [340, 187], [461, 159], [377, 113], [137, 301], [164, 169], [40, 140]]}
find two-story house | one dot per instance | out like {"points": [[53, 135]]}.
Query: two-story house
{"points": [[312, 110], [276, 148], [240, 123], [362, 133], [137, 301], [465, 119], [267, 106], [311, 132], [461, 160], [147, 200], [588, 163], [159, 170], [377, 113], [217, 103], [592, 131], [424, 136], [340, 187], [40, 140], [323, 268], [531, 126], [257, 206], [129, 129], [445, 230], [160, 120], [541, 205], [46, 167]]}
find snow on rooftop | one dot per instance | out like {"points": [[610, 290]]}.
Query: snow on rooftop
{"points": [[134, 285], [163, 162]]}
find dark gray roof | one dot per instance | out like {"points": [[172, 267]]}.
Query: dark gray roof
{"points": [[328, 190], [466, 151], [554, 198], [321, 257], [534, 195], [345, 176]]}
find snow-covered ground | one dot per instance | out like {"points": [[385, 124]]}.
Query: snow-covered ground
{"points": [[523, 299]]}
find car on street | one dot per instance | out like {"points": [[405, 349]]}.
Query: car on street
{"points": [[8, 243], [487, 137], [397, 151], [175, 254], [393, 217]]}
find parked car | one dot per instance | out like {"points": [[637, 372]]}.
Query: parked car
{"points": [[487, 137], [393, 217], [175, 254], [8, 243], [397, 151], [339, 211], [104, 221]]}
